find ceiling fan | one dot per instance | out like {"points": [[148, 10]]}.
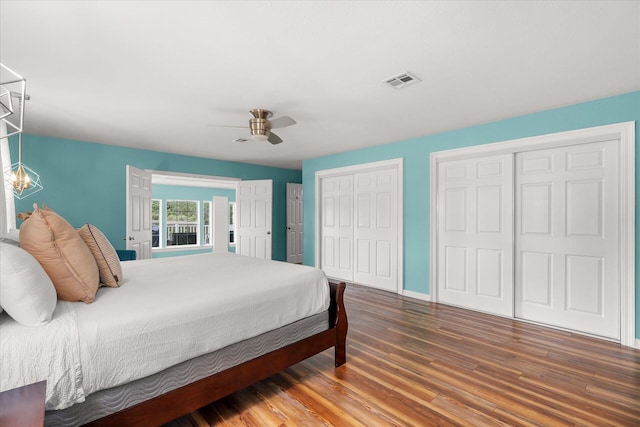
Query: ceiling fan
{"points": [[260, 126]]}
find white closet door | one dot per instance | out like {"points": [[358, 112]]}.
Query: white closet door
{"points": [[567, 237], [376, 229], [475, 234], [337, 227]]}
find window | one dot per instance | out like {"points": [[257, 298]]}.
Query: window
{"points": [[156, 221], [206, 224], [232, 222], [182, 222], [177, 224]]}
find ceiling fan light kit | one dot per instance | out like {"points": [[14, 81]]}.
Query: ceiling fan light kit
{"points": [[260, 124]]}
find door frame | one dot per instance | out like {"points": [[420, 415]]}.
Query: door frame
{"points": [[363, 167], [625, 133]]}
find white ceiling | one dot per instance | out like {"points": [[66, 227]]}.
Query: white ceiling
{"points": [[154, 75]]}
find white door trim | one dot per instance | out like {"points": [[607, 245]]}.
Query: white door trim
{"points": [[362, 168], [625, 132], [220, 222]]}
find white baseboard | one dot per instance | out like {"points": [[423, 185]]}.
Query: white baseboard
{"points": [[637, 344], [416, 295]]}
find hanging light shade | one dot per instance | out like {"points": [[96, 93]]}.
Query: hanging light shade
{"points": [[24, 181], [20, 179]]}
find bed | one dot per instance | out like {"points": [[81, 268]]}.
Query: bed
{"points": [[206, 326]]}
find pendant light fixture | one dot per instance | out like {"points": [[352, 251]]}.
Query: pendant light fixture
{"points": [[23, 180]]}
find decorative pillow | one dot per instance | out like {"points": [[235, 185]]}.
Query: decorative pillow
{"points": [[26, 292], [104, 253], [62, 253]]}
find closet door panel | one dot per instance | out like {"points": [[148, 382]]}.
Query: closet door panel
{"points": [[376, 230], [337, 227], [567, 237], [475, 234]]}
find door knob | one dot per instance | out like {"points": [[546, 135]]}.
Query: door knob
{"points": [[268, 232], [132, 238]]}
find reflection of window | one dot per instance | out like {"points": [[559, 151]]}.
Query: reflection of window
{"points": [[206, 223], [155, 222], [182, 222], [232, 222]]}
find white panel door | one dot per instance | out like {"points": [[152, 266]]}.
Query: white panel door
{"points": [[475, 234], [294, 222], [336, 216], [253, 215], [138, 222], [376, 229], [567, 238]]}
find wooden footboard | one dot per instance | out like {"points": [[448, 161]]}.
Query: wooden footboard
{"points": [[184, 400]]}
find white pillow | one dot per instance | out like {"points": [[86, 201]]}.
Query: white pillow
{"points": [[12, 237], [13, 234], [26, 292]]}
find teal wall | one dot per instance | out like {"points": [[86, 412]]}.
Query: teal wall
{"points": [[201, 194], [415, 154], [85, 182]]}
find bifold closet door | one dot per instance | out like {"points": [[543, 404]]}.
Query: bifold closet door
{"points": [[567, 237], [337, 227], [376, 229], [359, 217], [475, 234]]}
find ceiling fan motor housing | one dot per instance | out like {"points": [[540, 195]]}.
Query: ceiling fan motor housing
{"points": [[260, 125]]}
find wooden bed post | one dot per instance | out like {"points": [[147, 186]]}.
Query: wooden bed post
{"points": [[338, 319]]}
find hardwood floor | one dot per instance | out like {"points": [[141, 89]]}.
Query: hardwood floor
{"points": [[414, 363]]}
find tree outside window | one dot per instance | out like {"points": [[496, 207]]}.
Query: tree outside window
{"points": [[155, 223], [182, 222]]}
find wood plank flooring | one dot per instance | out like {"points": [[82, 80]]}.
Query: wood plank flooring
{"points": [[415, 363]]}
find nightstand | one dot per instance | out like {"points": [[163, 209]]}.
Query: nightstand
{"points": [[23, 406]]}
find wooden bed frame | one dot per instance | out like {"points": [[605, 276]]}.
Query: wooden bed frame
{"points": [[181, 401]]}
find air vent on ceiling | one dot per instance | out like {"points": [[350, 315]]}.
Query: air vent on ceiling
{"points": [[240, 140], [401, 80]]}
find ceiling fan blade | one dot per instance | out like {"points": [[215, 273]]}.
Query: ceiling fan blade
{"points": [[282, 122], [274, 139], [227, 126]]}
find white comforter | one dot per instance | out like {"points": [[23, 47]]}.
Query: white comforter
{"points": [[167, 310]]}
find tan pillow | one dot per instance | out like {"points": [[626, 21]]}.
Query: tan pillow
{"points": [[62, 253], [104, 253]]}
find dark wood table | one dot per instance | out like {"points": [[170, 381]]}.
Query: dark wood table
{"points": [[23, 406]]}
